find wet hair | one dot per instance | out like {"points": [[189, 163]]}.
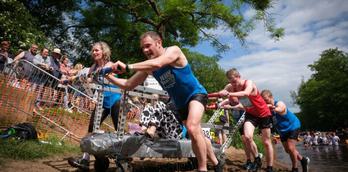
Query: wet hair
{"points": [[267, 93], [151, 34], [105, 48], [233, 72]]}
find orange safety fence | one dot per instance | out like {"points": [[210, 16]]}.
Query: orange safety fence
{"points": [[30, 94]]}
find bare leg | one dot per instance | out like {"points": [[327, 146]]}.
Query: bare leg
{"points": [[151, 131], [249, 140], [294, 154], [266, 140], [246, 149], [210, 152], [193, 125]]}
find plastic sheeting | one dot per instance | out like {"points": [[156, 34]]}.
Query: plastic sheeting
{"points": [[137, 146]]}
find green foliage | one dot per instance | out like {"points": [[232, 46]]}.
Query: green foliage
{"points": [[180, 22], [52, 17], [74, 25], [25, 22], [18, 26], [324, 97], [29, 150], [238, 143], [207, 71]]}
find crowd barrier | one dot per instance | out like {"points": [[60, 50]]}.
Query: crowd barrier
{"points": [[30, 94]]}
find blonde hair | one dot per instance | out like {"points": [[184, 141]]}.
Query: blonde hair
{"points": [[78, 66], [233, 72], [105, 48]]}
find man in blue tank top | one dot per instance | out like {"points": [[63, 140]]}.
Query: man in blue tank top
{"points": [[171, 69], [288, 126]]}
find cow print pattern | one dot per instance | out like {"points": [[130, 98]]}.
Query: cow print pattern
{"points": [[163, 119]]}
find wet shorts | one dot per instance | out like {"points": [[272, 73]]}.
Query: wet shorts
{"points": [[183, 112], [261, 123], [289, 135]]}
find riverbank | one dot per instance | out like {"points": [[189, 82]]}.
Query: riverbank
{"points": [[235, 159]]}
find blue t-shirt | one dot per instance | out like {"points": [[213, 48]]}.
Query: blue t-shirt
{"points": [[287, 122], [180, 83]]}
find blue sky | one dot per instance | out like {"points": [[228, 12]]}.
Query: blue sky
{"points": [[311, 26]]}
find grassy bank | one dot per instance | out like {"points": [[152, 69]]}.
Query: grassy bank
{"points": [[237, 142], [30, 150]]}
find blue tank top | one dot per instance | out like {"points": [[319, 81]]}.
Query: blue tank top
{"points": [[110, 98], [287, 122], [180, 83]]}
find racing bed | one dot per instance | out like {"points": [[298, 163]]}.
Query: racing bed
{"points": [[122, 148]]}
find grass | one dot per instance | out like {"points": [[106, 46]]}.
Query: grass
{"points": [[237, 142], [30, 150]]}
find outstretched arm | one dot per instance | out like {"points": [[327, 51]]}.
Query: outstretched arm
{"points": [[246, 92], [19, 56], [225, 91], [171, 55], [130, 83]]}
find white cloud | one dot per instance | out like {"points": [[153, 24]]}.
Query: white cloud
{"points": [[312, 26]]}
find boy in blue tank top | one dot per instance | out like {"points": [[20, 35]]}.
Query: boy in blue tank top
{"points": [[171, 69], [288, 126]]}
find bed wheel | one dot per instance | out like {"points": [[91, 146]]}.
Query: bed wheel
{"points": [[101, 163]]}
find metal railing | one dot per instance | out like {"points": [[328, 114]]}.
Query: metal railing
{"points": [[30, 93]]}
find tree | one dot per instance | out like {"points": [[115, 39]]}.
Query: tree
{"points": [[18, 26], [180, 22], [73, 25], [25, 22], [207, 71], [323, 99], [52, 17]]}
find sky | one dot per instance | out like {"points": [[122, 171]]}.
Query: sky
{"points": [[311, 26]]}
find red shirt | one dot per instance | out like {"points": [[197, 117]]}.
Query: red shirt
{"points": [[259, 108]]}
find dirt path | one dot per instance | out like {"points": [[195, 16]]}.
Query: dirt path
{"points": [[234, 161]]}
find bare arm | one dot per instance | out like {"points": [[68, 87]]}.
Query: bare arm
{"points": [[280, 108], [130, 83], [246, 92], [225, 91], [239, 106], [225, 104], [19, 56], [170, 55]]}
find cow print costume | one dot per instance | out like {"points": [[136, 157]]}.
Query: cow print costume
{"points": [[163, 118]]}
